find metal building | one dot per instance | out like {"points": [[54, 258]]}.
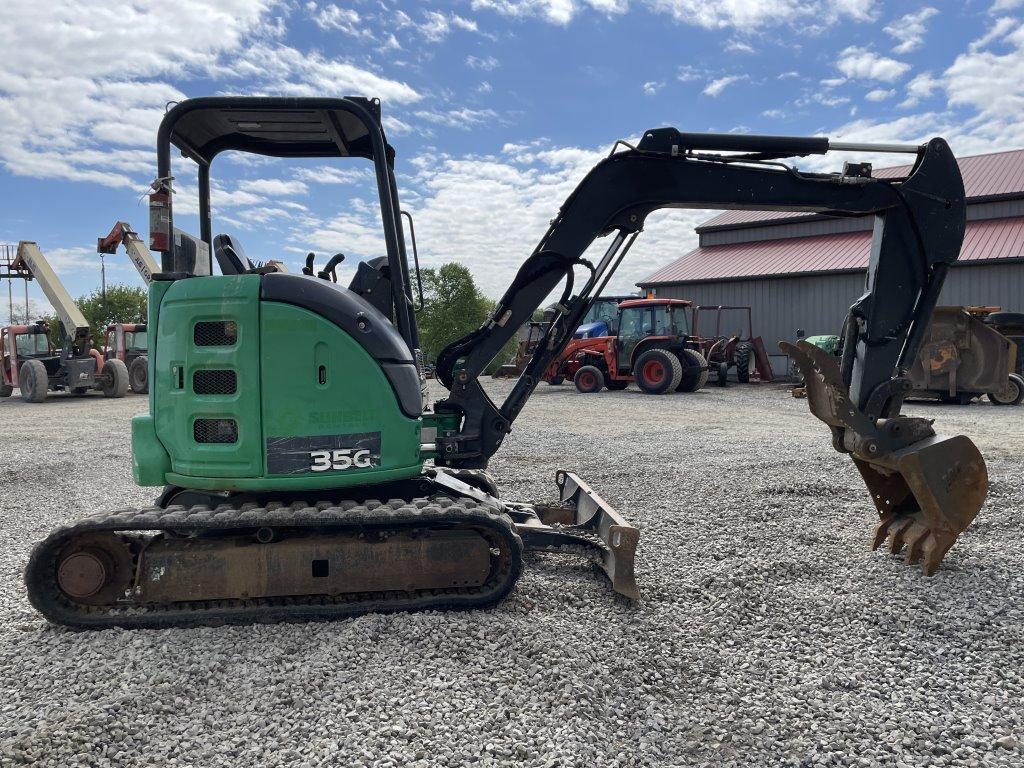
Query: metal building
{"points": [[803, 270]]}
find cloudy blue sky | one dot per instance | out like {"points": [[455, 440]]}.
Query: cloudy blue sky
{"points": [[496, 107]]}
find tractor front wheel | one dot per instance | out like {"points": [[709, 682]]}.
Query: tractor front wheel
{"points": [[114, 379], [34, 381], [695, 371], [745, 362], [6, 390], [138, 375], [554, 381], [658, 371], [589, 379]]}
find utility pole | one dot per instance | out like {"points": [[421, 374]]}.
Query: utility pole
{"points": [[103, 285]]}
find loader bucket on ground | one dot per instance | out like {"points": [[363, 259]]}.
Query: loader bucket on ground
{"points": [[927, 493]]}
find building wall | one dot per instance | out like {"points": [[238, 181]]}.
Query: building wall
{"points": [[818, 303]]}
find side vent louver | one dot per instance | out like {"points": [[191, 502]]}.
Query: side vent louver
{"points": [[215, 431], [219, 333], [214, 382]]}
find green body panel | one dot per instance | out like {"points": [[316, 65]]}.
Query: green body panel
{"points": [[301, 381], [355, 398]]}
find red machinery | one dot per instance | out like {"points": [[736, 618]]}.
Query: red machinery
{"points": [[20, 343], [127, 342], [731, 343], [653, 347]]}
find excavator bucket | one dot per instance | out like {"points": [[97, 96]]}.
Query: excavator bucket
{"points": [[927, 491]]}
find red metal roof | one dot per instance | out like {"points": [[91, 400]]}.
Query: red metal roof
{"points": [[987, 239], [652, 302], [999, 173]]}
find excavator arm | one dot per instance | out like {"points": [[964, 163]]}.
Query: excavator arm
{"points": [[927, 488]]}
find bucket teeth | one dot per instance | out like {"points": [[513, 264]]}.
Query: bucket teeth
{"points": [[910, 535]]}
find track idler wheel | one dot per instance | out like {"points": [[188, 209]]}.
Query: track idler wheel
{"points": [[95, 569]]}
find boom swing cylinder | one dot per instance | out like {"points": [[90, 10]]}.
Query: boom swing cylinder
{"points": [[289, 427]]}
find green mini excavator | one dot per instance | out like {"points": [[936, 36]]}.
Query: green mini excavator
{"points": [[306, 476]]}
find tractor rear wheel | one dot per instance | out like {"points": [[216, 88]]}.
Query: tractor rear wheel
{"points": [[1011, 395], [34, 381], [657, 371], [616, 385], [745, 363], [114, 379], [589, 379], [695, 371], [138, 375]]}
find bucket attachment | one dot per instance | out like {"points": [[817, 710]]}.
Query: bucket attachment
{"points": [[582, 522], [927, 488]]}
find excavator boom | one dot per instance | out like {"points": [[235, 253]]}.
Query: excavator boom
{"points": [[919, 227]]}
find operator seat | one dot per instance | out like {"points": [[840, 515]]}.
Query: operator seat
{"points": [[230, 255]]}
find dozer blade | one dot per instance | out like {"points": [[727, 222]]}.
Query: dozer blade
{"points": [[583, 520], [927, 488]]}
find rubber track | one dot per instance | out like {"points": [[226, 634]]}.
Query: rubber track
{"points": [[46, 596]]}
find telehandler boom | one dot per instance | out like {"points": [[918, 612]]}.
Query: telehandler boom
{"points": [[289, 428]]}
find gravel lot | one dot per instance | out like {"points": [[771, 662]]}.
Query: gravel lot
{"points": [[768, 633]]}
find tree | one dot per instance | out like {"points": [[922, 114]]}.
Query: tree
{"points": [[123, 304], [453, 306]]}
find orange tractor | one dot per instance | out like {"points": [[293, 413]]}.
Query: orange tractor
{"points": [[653, 347]]}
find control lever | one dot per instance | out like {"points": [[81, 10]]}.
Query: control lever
{"points": [[331, 269]]}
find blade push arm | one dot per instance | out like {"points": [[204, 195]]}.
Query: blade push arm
{"points": [[919, 227]]}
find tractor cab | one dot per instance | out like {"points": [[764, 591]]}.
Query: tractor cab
{"points": [[649, 320], [20, 343]]}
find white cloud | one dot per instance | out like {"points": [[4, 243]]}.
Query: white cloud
{"points": [[998, 30], [273, 187], [688, 74], [91, 94], [774, 114], [715, 87], [1004, 5], [922, 86], [463, 118], [436, 26], [880, 94], [744, 15], [554, 11], [739, 46], [333, 17], [487, 63], [788, 75], [651, 87], [864, 64], [328, 174], [909, 30]]}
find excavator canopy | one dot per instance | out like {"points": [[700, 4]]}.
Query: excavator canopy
{"points": [[203, 128]]}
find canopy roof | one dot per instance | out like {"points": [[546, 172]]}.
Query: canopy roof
{"points": [[279, 127]]}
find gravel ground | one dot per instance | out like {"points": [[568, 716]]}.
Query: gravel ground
{"points": [[768, 633]]}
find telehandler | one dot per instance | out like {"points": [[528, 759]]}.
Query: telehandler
{"points": [[287, 422]]}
